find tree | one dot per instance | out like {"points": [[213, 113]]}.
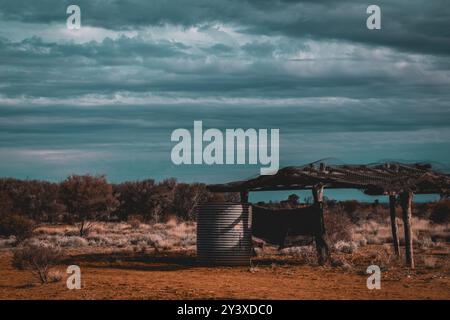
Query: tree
{"points": [[186, 197], [35, 199], [16, 225], [146, 198], [87, 198], [161, 199], [224, 197], [134, 197], [291, 202], [6, 203], [350, 206], [440, 211]]}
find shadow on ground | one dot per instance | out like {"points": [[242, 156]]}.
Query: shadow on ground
{"points": [[160, 261], [135, 261]]}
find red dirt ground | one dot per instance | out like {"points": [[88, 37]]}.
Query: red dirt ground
{"points": [[172, 276]]}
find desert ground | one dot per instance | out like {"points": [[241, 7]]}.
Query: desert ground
{"points": [[123, 261]]}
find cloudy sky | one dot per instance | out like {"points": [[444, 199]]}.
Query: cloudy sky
{"points": [[105, 98]]}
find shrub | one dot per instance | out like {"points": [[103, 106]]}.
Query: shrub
{"points": [[422, 210], [16, 225], [151, 200], [37, 258], [291, 202], [350, 206], [133, 197], [186, 198], [440, 212], [134, 222], [345, 246], [338, 226], [6, 203], [339, 262], [70, 241], [161, 200], [225, 197], [304, 254]]}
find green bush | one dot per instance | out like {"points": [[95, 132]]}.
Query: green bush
{"points": [[16, 225]]}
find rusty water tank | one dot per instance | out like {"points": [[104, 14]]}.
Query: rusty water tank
{"points": [[224, 233]]}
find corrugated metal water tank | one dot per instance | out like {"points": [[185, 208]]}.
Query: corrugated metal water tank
{"points": [[224, 233]]}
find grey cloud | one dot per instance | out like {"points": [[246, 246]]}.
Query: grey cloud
{"points": [[310, 68], [134, 141], [411, 25], [33, 67]]}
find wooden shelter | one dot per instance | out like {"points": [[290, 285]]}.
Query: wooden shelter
{"points": [[391, 179]]}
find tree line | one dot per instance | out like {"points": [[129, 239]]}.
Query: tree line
{"points": [[80, 198]]}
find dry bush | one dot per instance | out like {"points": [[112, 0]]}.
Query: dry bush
{"points": [[187, 197], [304, 254], [258, 243], [422, 210], [425, 233], [425, 242], [384, 257], [373, 232], [428, 262], [38, 258], [135, 221], [338, 226], [172, 235], [346, 246], [258, 252], [71, 233], [350, 206], [340, 262], [70, 242], [16, 225], [440, 211], [84, 228], [8, 242]]}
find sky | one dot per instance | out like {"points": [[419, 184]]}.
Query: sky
{"points": [[105, 99]]}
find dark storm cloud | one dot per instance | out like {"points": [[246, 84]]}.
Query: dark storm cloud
{"points": [[132, 142], [104, 99], [36, 68], [411, 25]]}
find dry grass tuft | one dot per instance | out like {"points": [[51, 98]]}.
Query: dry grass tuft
{"points": [[137, 237]]}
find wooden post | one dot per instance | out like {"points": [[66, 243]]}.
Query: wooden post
{"points": [[244, 196], [394, 224], [406, 202], [323, 252]]}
